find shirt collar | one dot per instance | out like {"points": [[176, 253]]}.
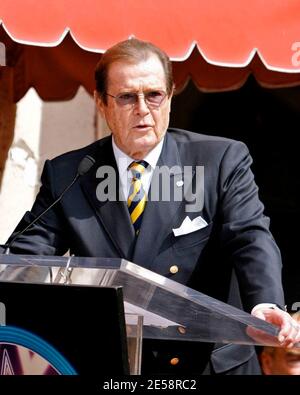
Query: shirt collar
{"points": [[123, 160]]}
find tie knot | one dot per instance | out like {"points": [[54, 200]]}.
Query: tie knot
{"points": [[137, 168]]}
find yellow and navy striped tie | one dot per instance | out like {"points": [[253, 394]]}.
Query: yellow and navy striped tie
{"points": [[136, 201]]}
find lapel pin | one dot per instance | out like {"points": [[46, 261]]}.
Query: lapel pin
{"points": [[179, 183]]}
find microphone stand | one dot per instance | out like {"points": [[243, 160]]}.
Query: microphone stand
{"points": [[65, 273], [84, 166], [8, 245]]}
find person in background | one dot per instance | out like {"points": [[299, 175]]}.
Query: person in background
{"points": [[281, 360]]}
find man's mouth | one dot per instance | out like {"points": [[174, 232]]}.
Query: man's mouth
{"points": [[142, 127]]}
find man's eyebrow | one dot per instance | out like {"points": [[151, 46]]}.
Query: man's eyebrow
{"points": [[151, 89]]}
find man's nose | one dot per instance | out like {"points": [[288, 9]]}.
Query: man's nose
{"points": [[141, 105]]}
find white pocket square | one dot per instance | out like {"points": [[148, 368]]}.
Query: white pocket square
{"points": [[189, 226]]}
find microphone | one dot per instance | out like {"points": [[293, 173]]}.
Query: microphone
{"points": [[84, 166]]}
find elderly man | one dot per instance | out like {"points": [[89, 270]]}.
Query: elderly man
{"points": [[225, 230]]}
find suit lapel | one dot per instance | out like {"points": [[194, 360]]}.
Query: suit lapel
{"points": [[112, 213], [159, 215]]}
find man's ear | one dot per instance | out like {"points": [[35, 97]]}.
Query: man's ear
{"points": [[173, 91], [99, 103], [170, 97], [266, 363]]}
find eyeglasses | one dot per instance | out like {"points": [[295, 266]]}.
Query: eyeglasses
{"points": [[153, 99]]}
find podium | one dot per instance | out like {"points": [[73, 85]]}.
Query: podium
{"points": [[85, 301]]}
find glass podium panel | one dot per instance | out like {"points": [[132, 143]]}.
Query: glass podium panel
{"points": [[134, 331], [170, 310]]}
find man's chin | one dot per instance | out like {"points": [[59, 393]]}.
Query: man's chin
{"points": [[145, 143], [139, 151]]}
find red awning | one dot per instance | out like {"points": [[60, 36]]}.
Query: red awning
{"points": [[55, 44]]}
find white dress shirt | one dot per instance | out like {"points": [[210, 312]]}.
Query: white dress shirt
{"points": [[125, 175]]}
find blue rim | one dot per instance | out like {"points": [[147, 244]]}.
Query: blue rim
{"points": [[11, 334]]}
